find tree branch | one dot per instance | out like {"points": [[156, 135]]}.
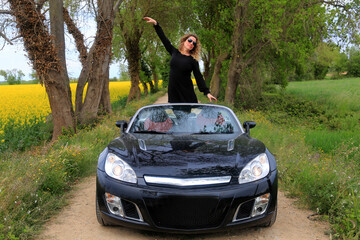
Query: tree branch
{"points": [[6, 39], [40, 4], [14, 38], [117, 5], [5, 12], [77, 35], [335, 4], [253, 54]]}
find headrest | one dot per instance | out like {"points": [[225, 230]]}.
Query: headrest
{"points": [[159, 115]]}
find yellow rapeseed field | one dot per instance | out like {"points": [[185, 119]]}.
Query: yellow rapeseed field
{"points": [[18, 102]]}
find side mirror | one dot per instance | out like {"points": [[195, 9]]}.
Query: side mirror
{"points": [[122, 125], [247, 125]]}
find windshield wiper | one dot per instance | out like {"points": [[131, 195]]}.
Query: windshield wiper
{"points": [[203, 133], [211, 133], [152, 131]]}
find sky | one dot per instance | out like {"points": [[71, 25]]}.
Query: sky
{"points": [[14, 57]]}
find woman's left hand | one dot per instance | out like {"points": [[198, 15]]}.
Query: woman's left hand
{"points": [[211, 97]]}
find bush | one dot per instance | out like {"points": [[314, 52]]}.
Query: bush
{"points": [[354, 62]]}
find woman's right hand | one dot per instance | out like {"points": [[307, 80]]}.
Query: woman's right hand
{"points": [[150, 20]]}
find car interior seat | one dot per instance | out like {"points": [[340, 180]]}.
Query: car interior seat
{"points": [[158, 121]]}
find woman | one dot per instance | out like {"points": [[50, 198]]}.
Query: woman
{"points": [[184, 60]]}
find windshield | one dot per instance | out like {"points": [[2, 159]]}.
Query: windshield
{"points": [[185, 119]]}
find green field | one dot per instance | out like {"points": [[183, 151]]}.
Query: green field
{"points": [[341, 101], [318, 149], [342, 96], [313, 130]]}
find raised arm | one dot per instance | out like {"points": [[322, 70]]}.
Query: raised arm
{"points": [[169, 47]]}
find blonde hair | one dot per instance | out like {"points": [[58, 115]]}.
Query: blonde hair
{"points": [[195, 52]]}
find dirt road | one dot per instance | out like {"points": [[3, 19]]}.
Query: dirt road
{"points": [[78, 221]]}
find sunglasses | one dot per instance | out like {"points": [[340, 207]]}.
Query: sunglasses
{"points": [[191, 41]]}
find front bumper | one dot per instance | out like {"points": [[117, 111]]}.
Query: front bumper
{"points": [[185, 210]]}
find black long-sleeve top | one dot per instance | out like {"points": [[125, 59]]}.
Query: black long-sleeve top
{"points": [[181, 88]]}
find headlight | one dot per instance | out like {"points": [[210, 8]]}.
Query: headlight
{"points": [[258, 168], [115, 167]]}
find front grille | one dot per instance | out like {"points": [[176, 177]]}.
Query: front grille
{"points": [[130, 209], [187, 212], [244, 210]]}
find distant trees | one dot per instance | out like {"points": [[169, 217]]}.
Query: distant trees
{"points": [[12, 76], [325, 58], [354, 62]]}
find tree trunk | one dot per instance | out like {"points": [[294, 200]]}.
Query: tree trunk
{"points": [[133, 57], [155, 79], [98, 77], [105, 103], [79, 95], [135, 79], [58, 37], [236, 64], [60, 103], [145, 87], [207, 60], [215, 79], [57, 31], [233, 80], [152, 88], [85, 59], [44, 56]]}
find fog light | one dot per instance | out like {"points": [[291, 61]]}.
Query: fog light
{"points": [[114, 204], [260, 205]]}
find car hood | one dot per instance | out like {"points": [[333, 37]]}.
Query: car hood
{"points": [[187, 156]]}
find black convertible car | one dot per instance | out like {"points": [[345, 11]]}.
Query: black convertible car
{"points": [[186, 168]]}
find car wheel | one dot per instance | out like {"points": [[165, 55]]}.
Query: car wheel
{"points": [[272, 220], [98, 215]]}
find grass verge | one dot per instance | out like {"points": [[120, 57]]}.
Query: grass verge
{"points": [[33, 183], [318, 164]]}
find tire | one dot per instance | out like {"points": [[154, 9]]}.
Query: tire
{"points": [[98, 215], [272, 220]]}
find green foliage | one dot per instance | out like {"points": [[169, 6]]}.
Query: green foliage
{"points": [[354, 62], [320, 71], [118, 104], [323, 58], [146, 75], [313, 134], [164, 70], [19, 137], [33, 183], [124, 74], [339, 65], [325, 181], [12, 76], [34, 78], [214, 24], [333, 137]]}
